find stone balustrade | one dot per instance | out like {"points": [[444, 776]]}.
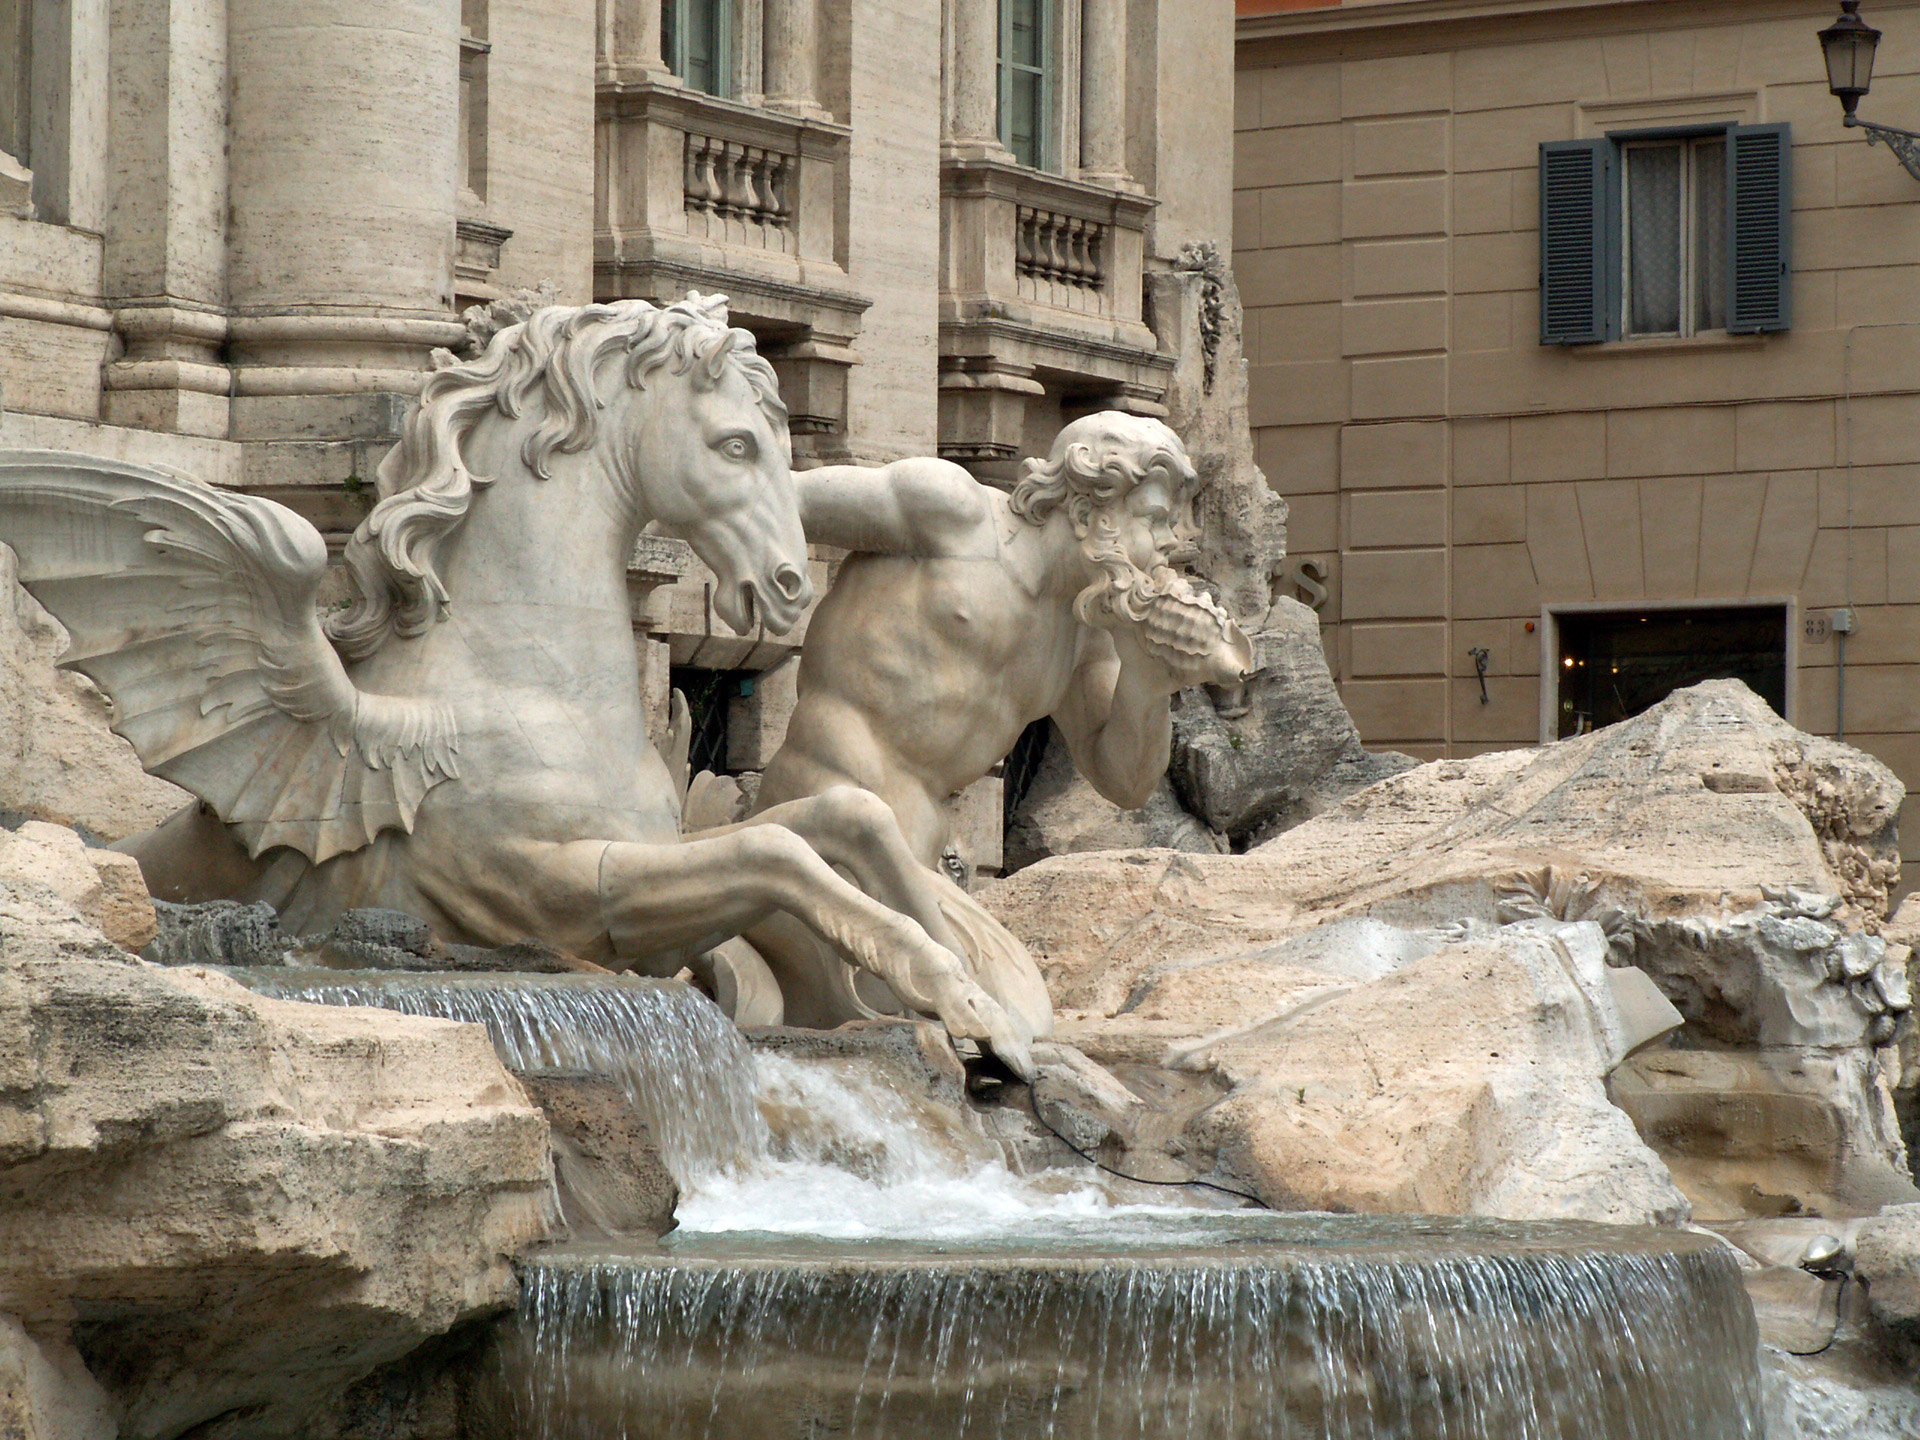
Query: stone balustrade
{"points": [[1060, 259], [740, 194], [1042, 293]]}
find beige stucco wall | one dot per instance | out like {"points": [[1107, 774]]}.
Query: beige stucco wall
{"points": [[1456, 476]]}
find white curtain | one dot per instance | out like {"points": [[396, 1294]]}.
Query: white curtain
{"points": [[1653, 239]]}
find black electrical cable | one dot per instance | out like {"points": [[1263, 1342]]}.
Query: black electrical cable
{"points": [[1033, 1104], [1839, 1296]]}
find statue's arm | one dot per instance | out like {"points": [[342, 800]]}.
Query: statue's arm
{"points": [[917, 506], [1115, 718]]}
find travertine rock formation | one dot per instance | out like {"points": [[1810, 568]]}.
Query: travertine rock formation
{"points": [[1062, 814], [608, 1175], [1195, 310], [229, 1207], [58, 760], [103, 886], [1887, 1259], [1662, 815], [1469, 1081], [1280, 749], [1248, 762], [1698, 838]]}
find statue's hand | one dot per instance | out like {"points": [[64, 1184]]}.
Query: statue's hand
{"points": [[1143, 665]]}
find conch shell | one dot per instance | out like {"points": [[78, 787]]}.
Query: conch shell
{"points": [[1186, 630]]}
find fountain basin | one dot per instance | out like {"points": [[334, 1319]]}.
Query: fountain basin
{"points": [[1236, 1324]]}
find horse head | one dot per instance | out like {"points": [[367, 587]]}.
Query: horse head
{"points": [[671, 404], [715, 471]]}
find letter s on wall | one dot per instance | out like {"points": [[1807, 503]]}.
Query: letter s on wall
{"points": [[1306, 577]]}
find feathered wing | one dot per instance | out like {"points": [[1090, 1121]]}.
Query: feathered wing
{"points": [[195, 610]]}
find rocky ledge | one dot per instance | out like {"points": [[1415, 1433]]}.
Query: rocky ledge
{"points": [[217, 1210]]}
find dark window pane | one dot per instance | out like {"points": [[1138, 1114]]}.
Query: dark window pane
{"points": [[1022, 42], [1024, 122], [703, 45], [692, 38], [709, 693], [1616, 664]]}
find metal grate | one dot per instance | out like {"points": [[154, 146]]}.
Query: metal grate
{"points": [[709, 693]]}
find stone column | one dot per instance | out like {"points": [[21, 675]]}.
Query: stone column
{"points": [[164, 271], [343, 123], [1103, 92], [974, 99], [791, 56], [631, 43]]}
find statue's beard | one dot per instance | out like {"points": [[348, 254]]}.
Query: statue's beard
{"points": [[1180, 626]]}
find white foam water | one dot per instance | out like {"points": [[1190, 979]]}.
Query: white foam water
{"points": [[852, 1158]]}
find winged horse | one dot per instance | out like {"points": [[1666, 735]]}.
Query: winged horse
{"points": [[466, 740]]}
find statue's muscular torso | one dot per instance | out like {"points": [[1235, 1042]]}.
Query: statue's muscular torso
{"points": [[919, 673]]}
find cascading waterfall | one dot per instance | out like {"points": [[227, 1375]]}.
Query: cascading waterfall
{"points": [[865, 1265], [683, 1064], [1335, 1328]]}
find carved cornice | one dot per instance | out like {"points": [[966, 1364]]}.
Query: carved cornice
{"points": [[698, 113], [996, 179], [1393, 26]]}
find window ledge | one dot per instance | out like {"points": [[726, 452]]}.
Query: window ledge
{"points": [[1668, 344]]}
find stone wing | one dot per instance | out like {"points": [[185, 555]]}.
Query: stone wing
{"points": [[195, 610]]}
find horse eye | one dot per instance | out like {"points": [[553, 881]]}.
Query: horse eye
{"points": [[738, 448]]}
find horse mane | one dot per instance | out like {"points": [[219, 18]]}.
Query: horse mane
{"points": [[544, 366]]}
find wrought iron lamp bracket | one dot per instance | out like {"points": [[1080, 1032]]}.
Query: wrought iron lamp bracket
{"points": [[1904, 144]]}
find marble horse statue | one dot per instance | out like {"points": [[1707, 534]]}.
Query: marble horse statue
{"points": [[465, 741]]}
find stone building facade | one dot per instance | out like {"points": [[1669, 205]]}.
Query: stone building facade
{"points": [[1584, 511], [232, 232]]}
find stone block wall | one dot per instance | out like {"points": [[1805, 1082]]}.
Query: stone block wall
{"points": [[1455, 476]]}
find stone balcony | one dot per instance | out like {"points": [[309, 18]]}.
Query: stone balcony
{"points": [[701, 193], [1042, 294]]}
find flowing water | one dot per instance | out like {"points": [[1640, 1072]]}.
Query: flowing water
{"points": [[853, 1261], [1238, 1325], [683, 1064]]}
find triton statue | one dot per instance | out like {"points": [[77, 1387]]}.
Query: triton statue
{"points": [[964, 615]]}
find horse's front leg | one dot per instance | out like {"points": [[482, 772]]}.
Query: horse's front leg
{"points": [[662, 897], [855, 829]]}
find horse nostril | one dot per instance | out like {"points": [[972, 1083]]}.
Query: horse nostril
{"points": [[790, 581]]}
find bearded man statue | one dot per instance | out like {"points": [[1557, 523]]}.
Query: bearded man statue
{"points": [[964, 614]]}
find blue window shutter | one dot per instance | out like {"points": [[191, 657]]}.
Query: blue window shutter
{"points": [[1759, 228], [1576, 228]]}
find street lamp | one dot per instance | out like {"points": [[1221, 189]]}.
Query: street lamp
{"points": [[1848, 45]]}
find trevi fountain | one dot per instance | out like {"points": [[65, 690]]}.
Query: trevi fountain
{"points": [[441, 1060]]}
